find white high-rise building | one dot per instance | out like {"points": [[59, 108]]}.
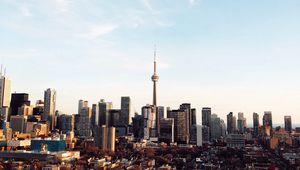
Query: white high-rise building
{"points": [[5, 94], [50, 107], [5, 97]]}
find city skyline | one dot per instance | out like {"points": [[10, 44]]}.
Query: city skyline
{"points": [[250, 68]]}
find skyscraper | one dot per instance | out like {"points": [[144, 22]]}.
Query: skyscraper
{"points": [[216, 127], [84, 125], [206, 123], [231, 123], [149, 115], [95, 115], [4, 91], [181, 125], [17, 101], [255, 124], [125, 111], [267, 119], [187, 108], [104, 108], [194, 116], [167, 130], [49, 107], [241, 122], [288, 123]]}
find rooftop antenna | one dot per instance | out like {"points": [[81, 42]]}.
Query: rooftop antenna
{"points": [[4, 71]]}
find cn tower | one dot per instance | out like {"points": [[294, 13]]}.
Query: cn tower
{"points": [[154, 79]]}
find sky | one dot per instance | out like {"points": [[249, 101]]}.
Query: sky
{"points": [[239, 56]]}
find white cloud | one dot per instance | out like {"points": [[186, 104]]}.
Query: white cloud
{"points": [[25, 11], [97, 31]]}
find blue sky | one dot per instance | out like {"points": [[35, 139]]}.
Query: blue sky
{"points": [[229, 55]]}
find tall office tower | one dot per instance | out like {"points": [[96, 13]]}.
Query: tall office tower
{"points": [[18, 100], [149, 115], [85, 121], [125, 111], [194, 116], [76, 124], [166, 130], [181, 125], [230, 123], [223, 127], [5, 95], [241, 122], [95, 115], [137, 125], [216, 127], [154, 78], [267, 119], [104, 108], [196, 135], [49, 107], [206, 116], [255, 124], [105, 138], [114, 118], [234, 123], [82, 104], [187, 108], [66, 123], [288, 123], [161, 112], [4, 99], [18, 123], [205, 134]]}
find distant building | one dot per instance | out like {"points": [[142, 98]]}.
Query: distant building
{"points": [[95, 115], [166, 130], [180, 125], [49, 107], [241, 123], [17, 101], [5, 87], [105, 138], [255, 124], [25, 110], [231, 123], [66, 123], [5, 97], [196, 135], [84, 127], [104, 108], [267, 119], [206, 121], [125, 111], [149, 115], [216, 127], [205, 134], [235, 140], [194, 116], [187, 108], [288, 123], [138, 126], [18, 123], [40, 145]]}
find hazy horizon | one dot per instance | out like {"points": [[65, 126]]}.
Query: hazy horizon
{"points": [[231, 56]]}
